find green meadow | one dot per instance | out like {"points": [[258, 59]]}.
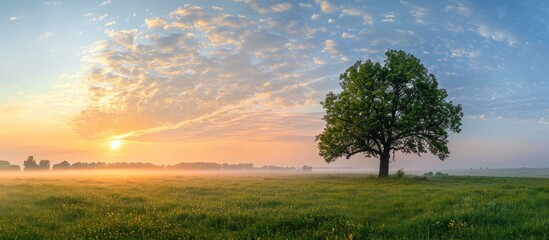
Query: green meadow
{"points": [[272, 206]]}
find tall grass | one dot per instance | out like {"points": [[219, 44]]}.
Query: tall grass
{"points": [[282, 206]]}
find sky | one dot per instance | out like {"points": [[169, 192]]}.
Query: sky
{"points": [[242, 81]]}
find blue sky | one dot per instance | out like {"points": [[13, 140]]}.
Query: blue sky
{"points": [[178, 71]]}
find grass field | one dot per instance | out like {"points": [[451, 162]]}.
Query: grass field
{"points": [[272, 206]]}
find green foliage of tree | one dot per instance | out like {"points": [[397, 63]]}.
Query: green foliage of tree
{"points": [[382, 109]]}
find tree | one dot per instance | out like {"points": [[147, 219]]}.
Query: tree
{"points": [[44, 165], [62, 165], [30, 163], [4, 165], [386, 108]]}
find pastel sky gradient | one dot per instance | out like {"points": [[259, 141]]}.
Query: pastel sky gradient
{"points": [[241, 81]]}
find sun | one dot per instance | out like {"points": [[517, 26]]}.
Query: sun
{"points": [[115, 144]]}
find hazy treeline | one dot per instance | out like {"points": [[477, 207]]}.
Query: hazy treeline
{"points": [[5, 165], [102, 165], [31, 164], [210, 166]]}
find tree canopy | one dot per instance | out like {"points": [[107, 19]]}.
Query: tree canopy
{"points": [[384, 108]]}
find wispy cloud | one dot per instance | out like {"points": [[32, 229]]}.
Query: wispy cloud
{"points": [[53, 3], [420, 14], [355, 12], [153, 23], [281, 7], [389, 17], [44, 36], [15, 18], [330, 46], [110, 23], [495, 35], [249, 81], [105, 3], [458, 7]]}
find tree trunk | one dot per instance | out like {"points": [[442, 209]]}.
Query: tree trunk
{"points": [[384, 164]]}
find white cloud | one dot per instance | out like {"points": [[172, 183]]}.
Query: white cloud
{"points": [[14, 19], [367, 50], [389, 17], [464, 53], [217, 8], [44, 36], [347, 35], [156, 23], [458, 7], [330, 46], [258, 7], [494, 35], [367, 19], [350, 12], [53, 3], [354, 12], [99, 18], [419, 14], [331, 20], [315, 17], [110, 23], [105, 3], [125, 38], [281, 7], [319, 61], [305, 5]]}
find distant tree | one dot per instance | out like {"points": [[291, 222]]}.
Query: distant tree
{"points": [[439, 174], [30, 164], [61, 165], [4, 165], [44, 165], [307, 168], [276, 168], [101, 165], [400, 173], [382, 109]]}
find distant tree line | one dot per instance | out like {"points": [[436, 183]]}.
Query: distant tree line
{"points": [[438, 174], [31, 164], [6, 166], [102, 165], [210, 166], [225, 166]]}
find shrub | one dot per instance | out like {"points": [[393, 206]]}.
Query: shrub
{"points": [[400, 173]]}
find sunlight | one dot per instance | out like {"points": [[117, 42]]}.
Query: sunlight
{"points": [[115, 144]]}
